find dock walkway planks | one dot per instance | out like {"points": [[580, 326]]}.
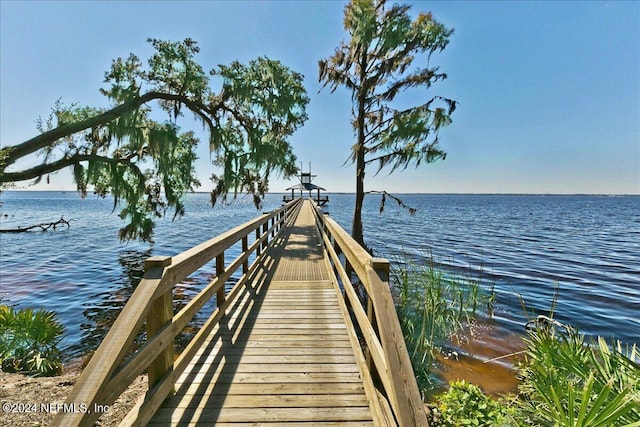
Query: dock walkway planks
{"points": [[282, 354]]}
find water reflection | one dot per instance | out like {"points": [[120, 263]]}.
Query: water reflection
{"points": [[107, 305], [485, 354], [100, 315], [521, 245]]}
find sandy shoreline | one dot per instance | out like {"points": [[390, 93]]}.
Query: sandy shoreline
{"points": [[28, 401]]}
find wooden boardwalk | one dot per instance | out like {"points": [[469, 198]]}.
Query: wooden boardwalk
{"points": [[293, 343], [282, 355]]}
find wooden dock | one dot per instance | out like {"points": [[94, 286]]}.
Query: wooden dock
{"points": [[281, 349], [285, 357]]}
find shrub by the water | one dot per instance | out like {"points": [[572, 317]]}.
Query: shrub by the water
{"points": [[28, 341], [566, 381], [465, 404]]}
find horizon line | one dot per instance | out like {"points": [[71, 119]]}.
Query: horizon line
{"points": [[353, 193]]}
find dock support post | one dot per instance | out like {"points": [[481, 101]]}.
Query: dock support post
{"points": [[160, 313]]}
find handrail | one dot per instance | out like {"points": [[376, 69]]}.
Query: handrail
{"points": [[107, 374], [386, 351]]}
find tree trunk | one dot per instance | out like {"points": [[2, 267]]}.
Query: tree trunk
{"points": [[357, 231]]}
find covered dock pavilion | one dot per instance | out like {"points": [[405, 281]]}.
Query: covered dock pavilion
{"points": [[306, 185]]}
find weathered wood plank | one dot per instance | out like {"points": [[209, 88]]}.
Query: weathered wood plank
{"points": [[293, 415], [286, 388], [282, 355], [310, 291], [298, 336], [267, 368], [262, 358], [278, 359], [281, 285], [223, 387], [296, 302], [267, 352], [292, 322], [278, 401], [281, 344], [277, 424], [287, 333], [294, 314], [227, 377], [280, 424]]}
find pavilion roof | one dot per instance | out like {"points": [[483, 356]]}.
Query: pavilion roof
{"points": [[306, 186]]}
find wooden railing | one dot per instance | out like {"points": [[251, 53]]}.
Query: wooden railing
{"points": [[107, 374], [385, 353]]}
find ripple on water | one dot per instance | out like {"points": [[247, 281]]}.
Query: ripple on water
{"points": [[523, 246]]}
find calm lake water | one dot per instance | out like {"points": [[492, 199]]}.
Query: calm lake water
{"points": [[586, 246]]}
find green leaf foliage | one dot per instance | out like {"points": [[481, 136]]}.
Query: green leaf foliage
{"points": [[28, 341], [387, 52], [147, 164], [375, 64], [465, 404], [267, 103], [568, 382]]}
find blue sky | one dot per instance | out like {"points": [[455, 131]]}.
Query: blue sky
{"points": [[548, 92]]}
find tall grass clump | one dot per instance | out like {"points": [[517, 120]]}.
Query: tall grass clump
{"points": [[432, 307], [28, 341], [566, 381]]}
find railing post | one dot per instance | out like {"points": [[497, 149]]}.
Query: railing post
{"points": [[245, 248], [220, 296], [258, 238], [160, 312], [265, 228], [382, 267], [404, 395]]}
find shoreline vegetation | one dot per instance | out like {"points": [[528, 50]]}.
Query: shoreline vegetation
{"points": [[434, 308], [561, 379], [34, 381]]}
